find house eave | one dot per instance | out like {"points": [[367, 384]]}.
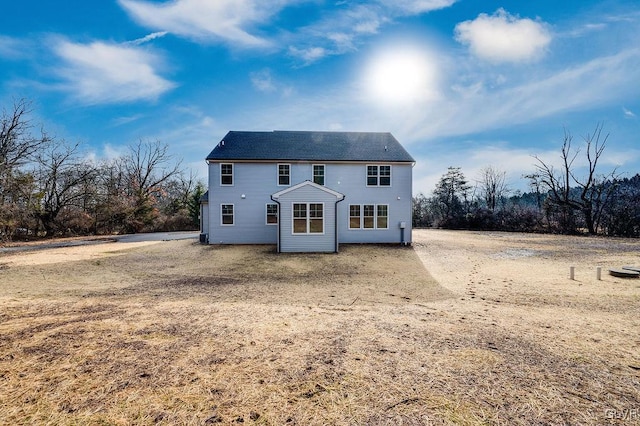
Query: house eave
{"points": [[308, 161]]}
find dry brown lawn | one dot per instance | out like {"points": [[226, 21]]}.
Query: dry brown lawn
{"points": [[463, 328]]}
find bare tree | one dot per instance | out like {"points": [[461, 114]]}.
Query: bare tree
{"points": [[114, 200], [149, 165], [181, 201], [493, 186], [62, 179], [17, 145], [589, 195], [17, 149], [47, 185], [148, 168]]}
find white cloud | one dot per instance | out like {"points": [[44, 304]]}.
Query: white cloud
{"points": [[236, 21], [587, 28], [100, 72], [337, 32], [148, 38], [112, 152], [417, 6], [310, 54], [263, 81], [614, 158], [343, 29], [206, 20], [12, 48], [590, 85], [120, 121], [502, 37], [628, 113]]}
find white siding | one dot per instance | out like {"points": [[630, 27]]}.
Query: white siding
{"points": [[290, 242], [252, 181], [352, 183], [257, 181]]}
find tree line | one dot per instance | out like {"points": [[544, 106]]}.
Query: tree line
{"points": [[560, 200], [49, 187]]}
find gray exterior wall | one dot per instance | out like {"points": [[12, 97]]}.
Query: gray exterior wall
{"points": [[290, 242], [249, 226], [257, 181], [204, 217], [397, 197]]}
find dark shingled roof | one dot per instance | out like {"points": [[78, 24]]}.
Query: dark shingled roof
{"points": [[310, 146]]}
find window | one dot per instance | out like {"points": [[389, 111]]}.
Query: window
{"points": [[354, 216], [382, 220], [368, 216], [385, 175], [316, 219], [308, 218], [284, 174], [226, 214], [272, 214], [378, 175], [226, 174], [372, 175], [318, 174], [299, 218]]}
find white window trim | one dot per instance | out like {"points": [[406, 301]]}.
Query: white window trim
{"points": [[324, 220], [363, 217], [278, 174], [233, 216], [359, 217], [233, 172], [375, 217], [377, 185], [266, 214], [324, 174]]}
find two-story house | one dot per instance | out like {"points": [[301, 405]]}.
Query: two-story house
{"points": [[308, 191]]}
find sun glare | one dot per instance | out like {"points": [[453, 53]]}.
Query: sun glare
{"points": [[402, 76]]}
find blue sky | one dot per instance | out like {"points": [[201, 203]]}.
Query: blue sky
{"points": [[459, 83]]}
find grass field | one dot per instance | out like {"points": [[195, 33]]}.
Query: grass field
{"points": [[492, 331]]}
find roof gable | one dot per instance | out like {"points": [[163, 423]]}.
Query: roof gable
{"points": [[336, 194], [309, 146]]}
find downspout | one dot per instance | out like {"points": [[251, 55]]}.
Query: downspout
{"points": [[279, 229], [336, 220]]}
